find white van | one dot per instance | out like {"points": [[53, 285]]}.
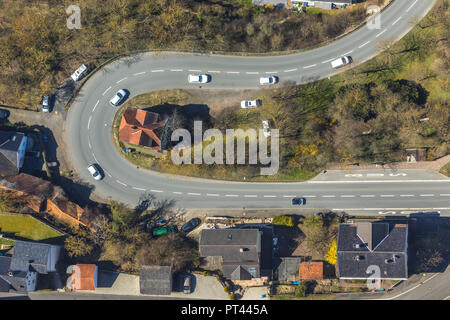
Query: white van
{"points": [[79, 73], [342, 61]]}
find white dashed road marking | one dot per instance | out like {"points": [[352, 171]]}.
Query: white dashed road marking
{"points": [[380, 33], [122, 80], [233, 72], [140, 189], [139, 73], [364, 44], [193, 194], [347, 196], [396, 21], [367, 196], [406, 195], [387, 196], [269, 196], [252, 72], [291, 70], [89, 122], [329, 60], [269, 72], [330, 196], [427, 195], [347, 53], [231, 195], [176, 70], [212, 195], [153, 190], [120, 182], [414, 3], [177, 192], [213, 71], [106, 91], [310, 66], [195, 70], [157, 70], [96, 105], [250, 196]]}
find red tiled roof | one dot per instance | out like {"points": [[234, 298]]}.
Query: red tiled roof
{"points": [[311, 270], [138, 127], [86, 277]]}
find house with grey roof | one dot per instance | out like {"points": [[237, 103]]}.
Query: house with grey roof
{"points": [[19, 272], [238, 251], [156, 280], [12, 152], [364, 244]]}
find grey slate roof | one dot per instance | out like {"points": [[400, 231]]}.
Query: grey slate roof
{"points": [[379, 244], [30, 255], [227, 243], [11, 281], [156, 280], [9, 144]]}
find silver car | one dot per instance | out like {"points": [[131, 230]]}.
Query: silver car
{"points": [[118, 98], [199, 78], [95, 172]]}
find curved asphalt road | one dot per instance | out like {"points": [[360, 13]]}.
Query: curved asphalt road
{"points": [[89, 134]]}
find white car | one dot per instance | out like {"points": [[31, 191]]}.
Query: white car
{"points": [[268, 80], [342, 61], [79, 73], [199, 78], [45, 104], [266, 131], [118, 97], [250, 104], [93, 170]]}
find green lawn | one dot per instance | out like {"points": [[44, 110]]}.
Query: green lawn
{"points": [[27, 228]]}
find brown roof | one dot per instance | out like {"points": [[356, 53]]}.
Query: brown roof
{"points": [[139, 127], [311, 270], [86, 277]]}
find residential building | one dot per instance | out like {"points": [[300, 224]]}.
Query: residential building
{"points": [[84, 277], [324, 4], [12, 152], [19, 272], [237, 252], [311, 270], [156, 280], [143, 128], [364, 244]]}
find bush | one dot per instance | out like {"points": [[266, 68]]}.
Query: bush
{"points": [[300, 291], [231, 296], [205, 273], [283, 221], [226, 289]]}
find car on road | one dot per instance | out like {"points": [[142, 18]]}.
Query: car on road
{"points": [[199, 78], [298, 201], [4, 114], [342, 61], [191, 225], [79, 73], [118, 98], [45, 104], [187, 284], [95, 172], [266, 131], [245, 104], [268, 80], [163, 230]]}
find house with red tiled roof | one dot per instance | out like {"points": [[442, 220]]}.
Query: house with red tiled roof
{"points": [[84, 277], [312, 270], [143, 128]]}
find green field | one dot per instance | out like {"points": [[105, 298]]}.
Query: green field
{"points": [[27, 228]]}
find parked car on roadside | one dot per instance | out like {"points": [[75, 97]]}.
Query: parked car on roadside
{"points": [[245, 104], [79, 73], [191, 225], [45, 104], [187, 284]]}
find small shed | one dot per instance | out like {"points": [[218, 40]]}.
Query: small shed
{"points": [[311, 270], [84, 277], [288, 269], [156, 280]]}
